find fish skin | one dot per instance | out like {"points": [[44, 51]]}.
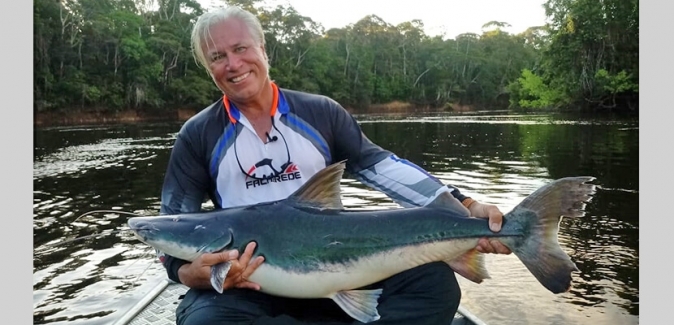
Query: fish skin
{"points": [[313, 248]]}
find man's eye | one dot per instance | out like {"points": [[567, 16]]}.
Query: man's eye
{"points": [[240, 49]]}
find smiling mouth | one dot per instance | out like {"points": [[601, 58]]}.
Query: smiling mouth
{"points": [[239, 78]]}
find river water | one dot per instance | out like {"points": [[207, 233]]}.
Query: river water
{"points": [[495, 158]]}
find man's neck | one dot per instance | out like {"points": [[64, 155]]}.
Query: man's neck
{"points": [[260, 106]]}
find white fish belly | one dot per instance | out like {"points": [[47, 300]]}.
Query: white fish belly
{"points": [[328, 279], [185, 252]]}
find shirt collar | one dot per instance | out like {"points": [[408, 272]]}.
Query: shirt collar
{"points": [[278, 104]]}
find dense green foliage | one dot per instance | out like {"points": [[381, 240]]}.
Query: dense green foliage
{"points": [[135, 54], [590, 59]]}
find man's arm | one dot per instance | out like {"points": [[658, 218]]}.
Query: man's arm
{"points": [[405, 182], [184, 188], [401, 180]]}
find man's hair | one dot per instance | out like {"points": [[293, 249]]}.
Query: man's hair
{"points": [[201, 31]]}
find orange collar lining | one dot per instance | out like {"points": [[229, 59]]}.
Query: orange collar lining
{"points": [[229, 106]]}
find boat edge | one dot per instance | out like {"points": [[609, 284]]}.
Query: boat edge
{"points": [[144, 302], [163, 283]]}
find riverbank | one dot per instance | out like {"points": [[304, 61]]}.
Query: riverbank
{"points": [[46, 119], [89, 117]]}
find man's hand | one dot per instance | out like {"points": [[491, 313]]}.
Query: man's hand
{"points": [[198, 273], [242, 269], [495, 216]]}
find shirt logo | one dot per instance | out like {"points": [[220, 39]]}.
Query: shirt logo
{"points": [[269, 174]]}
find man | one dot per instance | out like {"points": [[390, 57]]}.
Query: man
{"points": [[261, 143]]}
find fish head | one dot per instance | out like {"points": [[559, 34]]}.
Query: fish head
{"points": [[182, 236]]}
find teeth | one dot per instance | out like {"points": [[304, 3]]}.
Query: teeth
{"points": [[239, 78]]}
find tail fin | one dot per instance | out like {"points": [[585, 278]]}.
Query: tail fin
{"points": [[540, 252]]}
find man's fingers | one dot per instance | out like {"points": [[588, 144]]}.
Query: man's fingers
{"points": [[217, 258], [499, 248], [252, 266], [209, 259], [490, 211], [493, 246], [483, 246], [495, 219], [248, 285], [247, 253], [248, 271], [239, 274]]}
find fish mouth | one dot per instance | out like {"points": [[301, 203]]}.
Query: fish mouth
{"points": [[139, 236], [141, 229]]}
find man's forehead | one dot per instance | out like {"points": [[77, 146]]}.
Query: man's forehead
{"points": [[223, 35]]}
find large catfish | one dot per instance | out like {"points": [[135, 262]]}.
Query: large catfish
{"points": [[313, 248]]}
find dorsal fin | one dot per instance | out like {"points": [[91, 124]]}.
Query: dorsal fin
{"points": [[323, 190], [446, 201]]}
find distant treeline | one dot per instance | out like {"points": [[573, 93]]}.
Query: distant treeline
{"points": [[113, 55]]}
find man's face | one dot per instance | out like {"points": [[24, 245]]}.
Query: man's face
{"points": [[237, 63]]}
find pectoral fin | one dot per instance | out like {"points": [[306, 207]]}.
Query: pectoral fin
{"points": [[218, 275], [359, 304], [471, 266]]}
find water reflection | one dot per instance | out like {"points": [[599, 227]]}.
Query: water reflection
{"points": [[498, 159]]}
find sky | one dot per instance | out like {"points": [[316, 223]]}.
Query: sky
{"points": [[440, 17]]}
